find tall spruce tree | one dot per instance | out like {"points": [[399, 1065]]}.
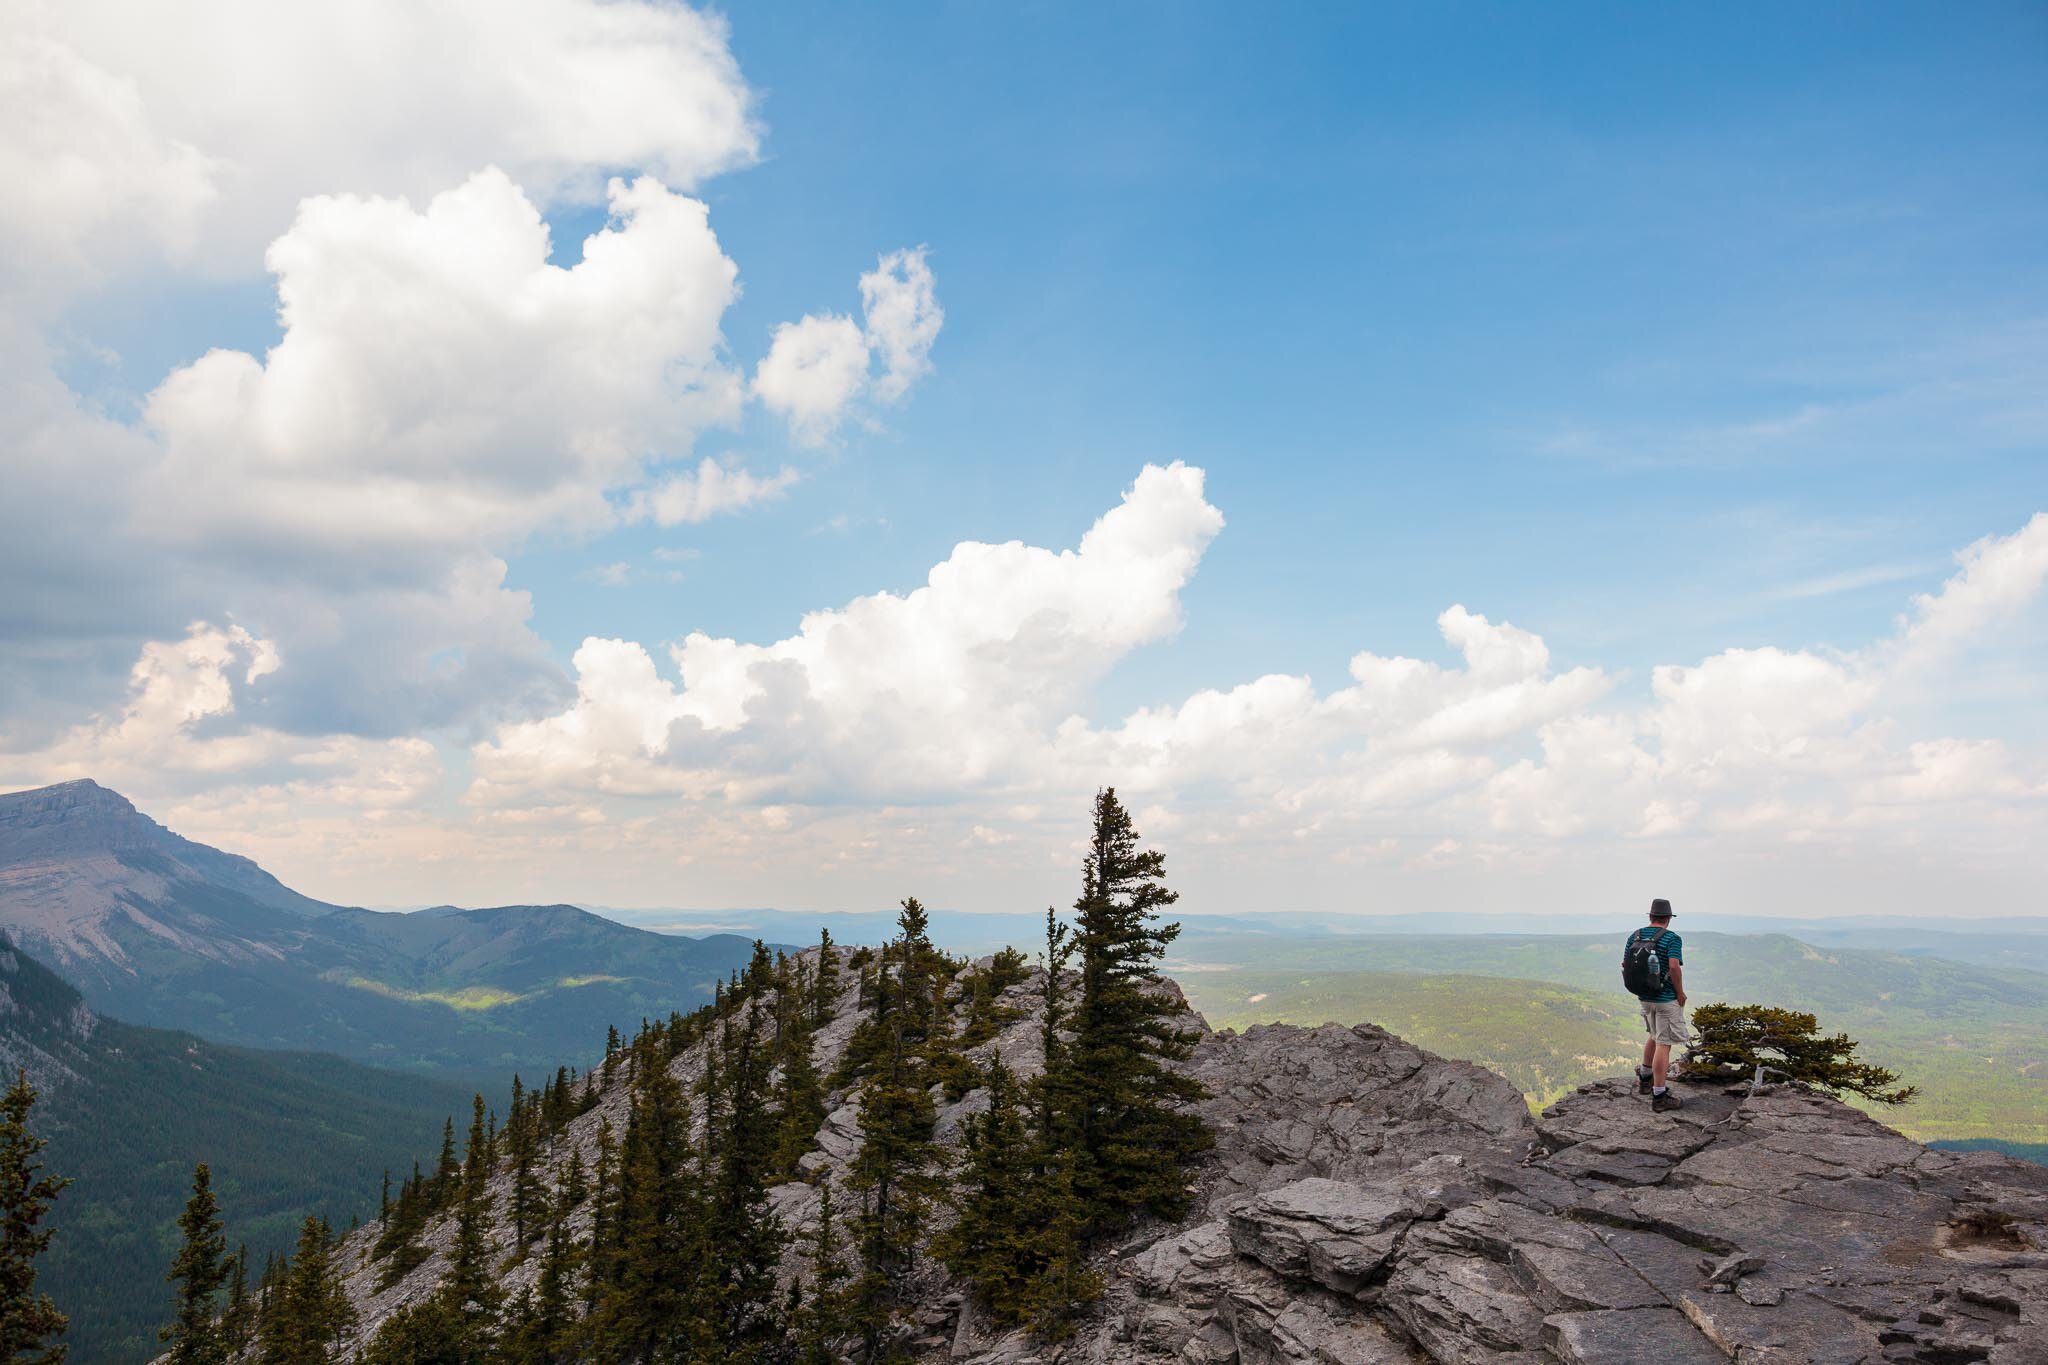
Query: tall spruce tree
{"points": [[825, 981], [469, 1291], [744, 1242], [800, 1091], [447, 1171], [476, 1152], [1126, 1101], [201, 1267], [894, 1170], [27, 1319], [604, 1216], [649, 1273], [529, 1195], [1017, 1240], [309, 1312]]}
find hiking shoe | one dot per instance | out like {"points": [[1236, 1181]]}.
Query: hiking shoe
{"points": [[1643, 1086], [1666, 1101]]}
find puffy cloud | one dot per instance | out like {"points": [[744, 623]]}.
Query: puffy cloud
{"points": [[442, 392], [88, 177], [966, 699], [136, 122], [814, 368], [441, 383], [955, 683], [173, 737], [820, 366], [2000, 576], [1791, 743], [899, 299]]}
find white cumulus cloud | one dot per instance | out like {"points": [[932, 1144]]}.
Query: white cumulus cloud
{"points": [[952, 685], [135, 122], [820, 367], [967, 700], [440, 382]]}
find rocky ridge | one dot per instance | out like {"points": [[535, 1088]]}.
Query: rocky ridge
{"points": [[85, 876], [1367, 1201]]}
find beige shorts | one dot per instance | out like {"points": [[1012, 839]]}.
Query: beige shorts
{"points": [[1664, 1021]]}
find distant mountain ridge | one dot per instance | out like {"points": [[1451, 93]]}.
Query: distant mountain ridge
{"points": [[172, 933], [1988, 941], [82, 870], [129, 1110]]}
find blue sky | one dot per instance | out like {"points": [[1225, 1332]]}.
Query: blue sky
{"points": [[1657, 333], [1453, 304]]}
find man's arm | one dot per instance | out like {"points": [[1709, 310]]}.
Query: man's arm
{"points": [[1678, 980]]}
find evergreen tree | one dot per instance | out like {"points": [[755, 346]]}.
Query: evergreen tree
{"points": [[309, 1312], [476, 1152], [821, 1319], [1017, 1241], [800, 1094], [544, 1323], [1054, 1102], [575, 1184], [983, 1247], [422, 1333], [649, 1274], [469, 1292], [824, 981], [894, 1169], [238, 1319], [27, 1319], [446, 1169], [1126, 1101], [529, 1196], [604, 1214], [743, 1241], [1731, 1041], [985, 1015], [199, 1270], [399, 1239], [561, 1101]]}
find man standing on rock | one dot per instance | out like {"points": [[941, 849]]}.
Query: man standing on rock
{"points": [[1653, 967]]}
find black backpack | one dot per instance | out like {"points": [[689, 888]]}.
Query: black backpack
{"points": [[1645, 971]]}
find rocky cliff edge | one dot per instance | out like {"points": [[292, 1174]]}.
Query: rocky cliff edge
{"points": [[1370, 1202]]}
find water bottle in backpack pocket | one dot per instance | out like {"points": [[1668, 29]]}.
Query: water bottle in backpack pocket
{"points": [[1644, 971]]}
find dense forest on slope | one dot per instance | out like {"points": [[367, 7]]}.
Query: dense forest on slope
{"points": [[127, 1112], [628, 1215]]}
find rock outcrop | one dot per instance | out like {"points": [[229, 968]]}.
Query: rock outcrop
{"points": [[1367, 1201]]}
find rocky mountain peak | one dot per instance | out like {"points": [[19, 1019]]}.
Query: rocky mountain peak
{"points": [[71, 818], [1367, 1201], [86, 880]]}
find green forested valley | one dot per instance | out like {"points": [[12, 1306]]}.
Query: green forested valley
{"points": [[1548, 1012]]}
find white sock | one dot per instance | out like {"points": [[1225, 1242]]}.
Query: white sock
{"points": [[1660, 1090], [1644, 1071]]}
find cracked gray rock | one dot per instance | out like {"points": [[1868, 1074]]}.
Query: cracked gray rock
{"points": [[1369, 1202]]}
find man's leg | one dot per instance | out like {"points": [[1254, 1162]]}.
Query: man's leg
{"points": [[1660, 1065]]}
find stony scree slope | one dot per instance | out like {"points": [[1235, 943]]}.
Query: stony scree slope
{"points": [[1367, 1201]]}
